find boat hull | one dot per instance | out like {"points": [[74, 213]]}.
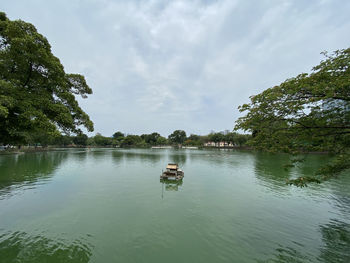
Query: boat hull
{"points": [[172, 176]]}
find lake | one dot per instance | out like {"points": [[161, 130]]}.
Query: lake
{"points": [[108, 205]]}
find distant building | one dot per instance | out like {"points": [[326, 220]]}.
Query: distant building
{"points": [[219, 144], [210, 144]]}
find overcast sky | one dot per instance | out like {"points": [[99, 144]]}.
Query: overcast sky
{"points": [[165, 65]]}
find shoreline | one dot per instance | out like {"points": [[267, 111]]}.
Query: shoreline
{"points": [[53, 148]]}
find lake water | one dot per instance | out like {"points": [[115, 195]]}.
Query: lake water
{"points": [[108, 205]]}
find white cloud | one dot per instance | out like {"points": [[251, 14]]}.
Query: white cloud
{"points": [[164, 65]]}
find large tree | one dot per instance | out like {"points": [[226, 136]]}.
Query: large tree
{"points": [[217, 137], [151, 139], [310, 112], [118, 135], [178, 136], [36, 94]]}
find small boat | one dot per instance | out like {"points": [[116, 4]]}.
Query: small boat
{"points": [[172, 172]]}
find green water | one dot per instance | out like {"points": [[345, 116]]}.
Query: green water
{"points": [[108, 205]]}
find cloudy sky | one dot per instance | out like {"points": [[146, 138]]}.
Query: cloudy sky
{"points": [[163, 65]]}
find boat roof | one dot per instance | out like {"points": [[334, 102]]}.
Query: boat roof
{"points": [[171, 166]]}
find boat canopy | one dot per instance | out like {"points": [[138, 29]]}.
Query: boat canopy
{"points": [[172, 166]]}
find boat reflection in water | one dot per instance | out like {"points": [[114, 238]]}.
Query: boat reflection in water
{"points": [[171, 185]]}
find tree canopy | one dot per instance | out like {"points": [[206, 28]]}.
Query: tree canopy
{"points": [[178, 136], [132, 140], [118, 135], [151, 139], [36, 94], [310, 112]]}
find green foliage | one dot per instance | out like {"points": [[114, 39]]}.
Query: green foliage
{"points": [[194, 140], [100, 140], [237, 139], [132, 140], [62, 140], [310, 112], [80, 139], [36, 95], [39, 138], [118, 135], [229, 137], [151, 139], [217, 137], [194, 137], [178, 136], [162, 141]]}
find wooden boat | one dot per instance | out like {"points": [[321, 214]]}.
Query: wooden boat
{"points": [[172, 172]]}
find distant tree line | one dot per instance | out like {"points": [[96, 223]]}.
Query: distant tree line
{"points": [[119, 139]]}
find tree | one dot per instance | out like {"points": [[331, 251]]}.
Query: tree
{"points": [[102, 140], [36, 94], [39, 138], [177, 136], [194, 137], [236, 138], [80, 139], [310, 112], [132, 140], [217, 137], [193, 140], [151, 138], [118, 135], [161, 141]]}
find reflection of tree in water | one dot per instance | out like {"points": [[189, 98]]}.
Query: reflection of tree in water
{"points": [[22, 247], [271, 169], [148, 156], [100, 154], [336, 239], [336, 246], [178, 156], [335, 234], [144, 157], [287, 255], [80, 155], [27, 169]]}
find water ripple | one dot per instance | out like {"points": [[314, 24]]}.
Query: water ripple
{"points": [[22, 247]]}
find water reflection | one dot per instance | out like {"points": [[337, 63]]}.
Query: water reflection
{"points": [[288, 255], [171, 185], [110, 205], [271, 171], [26, 169], [79, 156], [336, 239], [99, 154], [230, 158], [143, 156], [340, 195], [137, 155], [22, 247], [153, 156], [178, 156], [335, 247]]}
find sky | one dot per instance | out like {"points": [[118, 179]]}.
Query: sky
{"points": [[159, 66]]}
